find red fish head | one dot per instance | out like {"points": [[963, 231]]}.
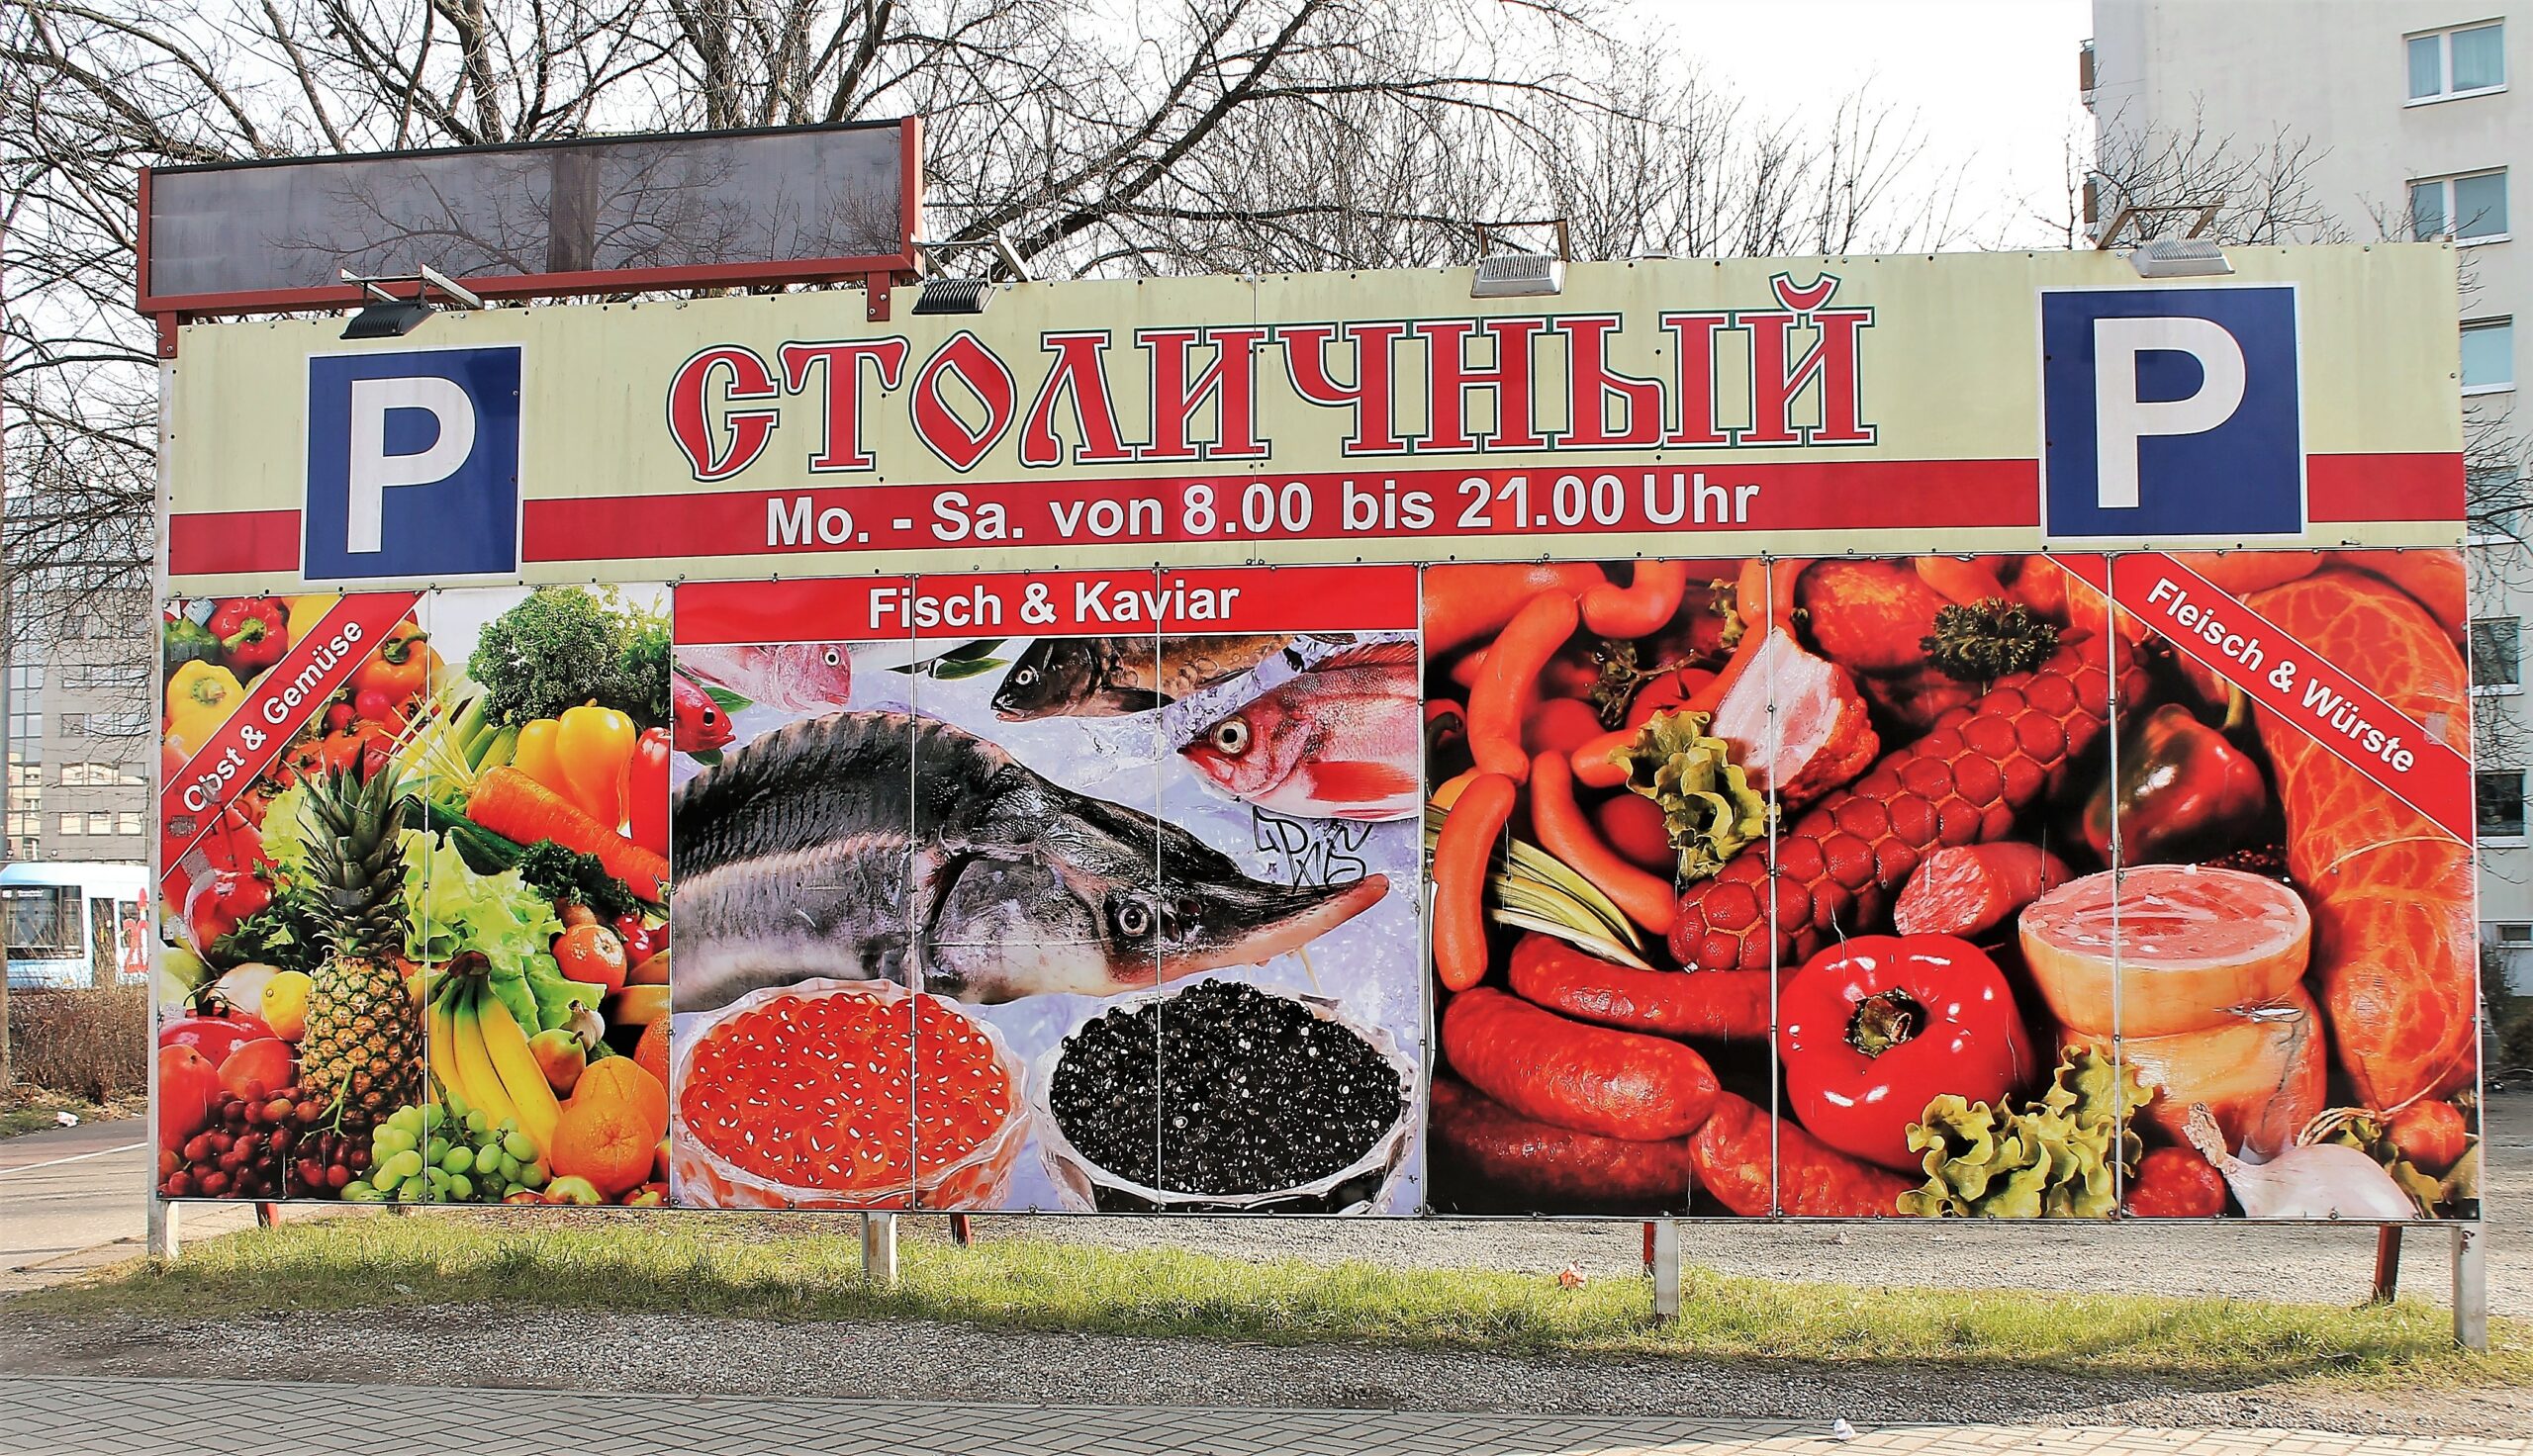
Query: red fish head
{"points": [[700, 724], [1246, 753]]}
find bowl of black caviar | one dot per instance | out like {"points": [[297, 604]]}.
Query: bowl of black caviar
{"points": [[1219, 1097]]}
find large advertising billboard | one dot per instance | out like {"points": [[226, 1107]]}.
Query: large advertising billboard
{"points": [[1979, 736]]}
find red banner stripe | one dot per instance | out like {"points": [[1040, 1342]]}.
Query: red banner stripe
{"points": [[1857, 495], [1193, 602], [2292, 684], [211, 543], [2371, 487], [282, 702]]}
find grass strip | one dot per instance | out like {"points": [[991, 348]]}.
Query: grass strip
{"points": [[748, 1267]]}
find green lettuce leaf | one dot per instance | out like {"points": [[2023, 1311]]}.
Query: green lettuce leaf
{"points": [[450, 909]]}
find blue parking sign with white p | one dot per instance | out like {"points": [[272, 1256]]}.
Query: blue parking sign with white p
{"points": [[2171, 413], [413, 464]]}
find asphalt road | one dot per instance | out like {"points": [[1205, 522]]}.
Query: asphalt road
{"points": [[70, 1198]]}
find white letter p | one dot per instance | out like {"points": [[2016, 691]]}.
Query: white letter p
{"points": [[373, 470], [2121, 419]]}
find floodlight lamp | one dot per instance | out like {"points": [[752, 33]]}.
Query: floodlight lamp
{"points": [[953, 296], [390, 318], [1518, 272], [2180, 257]]}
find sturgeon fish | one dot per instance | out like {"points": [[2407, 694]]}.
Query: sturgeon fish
{"points": [[869, 846]]}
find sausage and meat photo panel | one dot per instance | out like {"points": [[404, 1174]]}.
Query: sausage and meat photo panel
{"points": [[1051, 891], [1942, 887]]}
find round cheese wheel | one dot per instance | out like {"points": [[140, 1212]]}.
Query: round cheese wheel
{"points": [[2193, 945]]}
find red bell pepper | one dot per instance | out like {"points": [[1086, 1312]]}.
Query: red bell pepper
{"points": [[646, 791], [1874, 1028], [401, 668], [642, 938], [253, 632], [216, 903], [2186, 794]]}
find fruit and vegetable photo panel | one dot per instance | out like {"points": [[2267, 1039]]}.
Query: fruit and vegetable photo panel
{"points": [[289, 1025], [2295, 942]]}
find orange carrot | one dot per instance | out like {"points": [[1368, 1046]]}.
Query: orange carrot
{"points": [[1465, 600], [1641, 607], [1967, 582], [1511, 682], [1462, 850], [510, 803], [1601, 763], [1648, 899]]}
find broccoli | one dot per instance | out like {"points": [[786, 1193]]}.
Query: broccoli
{"points": [[564, 646]]}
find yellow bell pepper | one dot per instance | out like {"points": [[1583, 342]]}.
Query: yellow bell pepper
{"points": [[306, 612], [200, 698], [596, 747], [534, 755]]}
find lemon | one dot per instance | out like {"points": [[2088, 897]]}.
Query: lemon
{"points": [[284, 1004]]}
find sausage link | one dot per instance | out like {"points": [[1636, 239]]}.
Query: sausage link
{"points": [[1834, 871], [1730, 1155], [1720, 1003], [1618, 1084], [1491, 1157]]}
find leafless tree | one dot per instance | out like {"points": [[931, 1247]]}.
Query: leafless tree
{"points": [[2262, 188], [1189, 136]]}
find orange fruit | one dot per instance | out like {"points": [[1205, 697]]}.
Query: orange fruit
{"points": [[605, 1142], [651, 1054], [629, 1084]]}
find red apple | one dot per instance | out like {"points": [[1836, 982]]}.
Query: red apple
{"points": [[187, 1086], [259, 1068]]}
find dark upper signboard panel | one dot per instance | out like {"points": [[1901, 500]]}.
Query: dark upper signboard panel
{"points": [[793, 204]]}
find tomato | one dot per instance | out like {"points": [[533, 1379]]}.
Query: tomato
{"points": [[591, 953], [401, 668], [642, 939]]}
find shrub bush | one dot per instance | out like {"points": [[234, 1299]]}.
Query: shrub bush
{"points": [[88, 1044]]}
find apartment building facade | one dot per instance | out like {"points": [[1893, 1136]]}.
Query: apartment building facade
{"points": [[2414, 119]]}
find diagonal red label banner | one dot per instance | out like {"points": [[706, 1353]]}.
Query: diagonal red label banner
{"points": [[2290, 681], [282, 702]]}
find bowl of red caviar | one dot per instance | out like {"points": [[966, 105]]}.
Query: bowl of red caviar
{"points": [[832, 1094]]}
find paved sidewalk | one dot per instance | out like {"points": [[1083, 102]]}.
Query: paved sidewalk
{"points": [[167, 1417]]}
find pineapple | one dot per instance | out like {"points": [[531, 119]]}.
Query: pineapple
{"points": [[363, 1043]]}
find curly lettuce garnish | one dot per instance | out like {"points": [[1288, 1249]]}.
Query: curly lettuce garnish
{"points": [[2051, 1159], [1708, 806], [1982, 643]]}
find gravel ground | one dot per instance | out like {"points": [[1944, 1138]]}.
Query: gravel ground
{"points": [[491, 1347], [922, 1361]]}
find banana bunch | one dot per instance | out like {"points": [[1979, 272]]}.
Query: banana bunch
{"points": [[481, 1055]]}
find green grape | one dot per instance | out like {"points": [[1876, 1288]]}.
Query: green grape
{"points": [[406, 1120], [391, 1139], [460, 1187], [402, 1164], [477, 1123], [411, 1192], [504, 1164], [359, 1191], [534, 1175], [521, 1147], [458, 1159], [459, 1107]]}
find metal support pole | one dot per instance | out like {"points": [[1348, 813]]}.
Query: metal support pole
{"points": [[2387, 1264], [1666, 1269], [2470, 1287], [1648, 1248], [960, 1233], [880, 1249], [164, 1240]]}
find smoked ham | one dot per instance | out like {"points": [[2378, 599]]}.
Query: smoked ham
{"points": [[2394, 931]]}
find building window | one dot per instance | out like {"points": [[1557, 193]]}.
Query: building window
{"points": [[2466, 209], [2501, 800], [2519, 933], [127, 821], [2488, 356], [2496, 658], [72, 824], [2469, 60]]}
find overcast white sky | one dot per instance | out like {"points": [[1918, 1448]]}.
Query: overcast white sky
{"points": [[1993, 81]]}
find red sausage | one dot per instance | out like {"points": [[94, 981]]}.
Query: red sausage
{"points": [[1591, 1079], [1547, 972], [1490, 1156], [1731, 1154], [1963, 890]]}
